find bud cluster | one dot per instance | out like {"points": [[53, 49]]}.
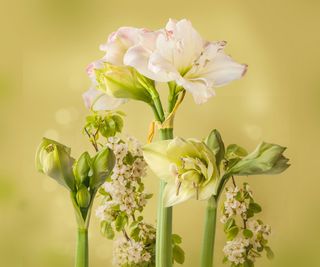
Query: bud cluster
{"points": [[246, 242]]}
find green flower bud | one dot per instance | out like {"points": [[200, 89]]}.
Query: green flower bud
{"points": [[83, 197], [123, 82], [188, 167], [265, 159], [215, 143], [81, 168], [103, 164], [54, 160]]}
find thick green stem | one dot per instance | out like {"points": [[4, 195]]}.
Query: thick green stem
{"points": [[164, 220], [209, 234], [82, 255]]}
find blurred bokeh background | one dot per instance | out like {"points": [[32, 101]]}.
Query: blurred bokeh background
{"points": [[45, 48]]}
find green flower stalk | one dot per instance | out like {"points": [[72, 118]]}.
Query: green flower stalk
{"points": [[234, 160], [82, 178]]}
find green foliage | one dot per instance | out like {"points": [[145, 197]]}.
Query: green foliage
{"points": [[106, 124], [107, 230], [178, 254], [121, 221]]}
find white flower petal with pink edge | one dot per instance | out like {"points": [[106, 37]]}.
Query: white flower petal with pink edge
{"points": [[98, 101]]}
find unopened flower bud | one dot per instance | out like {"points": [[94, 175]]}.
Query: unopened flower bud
{"points": [[103, 164], [83, 197], [54, 160], [82, 167]]}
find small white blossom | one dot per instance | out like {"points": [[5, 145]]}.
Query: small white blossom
{"points": [[129, 252], [235, 250]]}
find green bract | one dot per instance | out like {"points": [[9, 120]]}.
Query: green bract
{"points": [[124, 82], [265, 159], [188, 167], [54, 160]]}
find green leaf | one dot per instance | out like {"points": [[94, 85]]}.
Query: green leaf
{"points": [[120, 222], [255, 207], [107, 230], [215, 143], [248, 263], [230, 223], [270, 254], [247, 233], [119, 123], [225, 259], [178, 254], [135, 233], [232, 232], [176, 239]]}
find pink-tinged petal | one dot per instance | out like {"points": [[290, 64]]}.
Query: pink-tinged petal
{"points": [[98, 64], [118, 43], [97, 100], [200, 88], [170, 196], [223, 70], [138, 56]]}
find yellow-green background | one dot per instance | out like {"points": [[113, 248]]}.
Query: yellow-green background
{"points": [[45, 47]]}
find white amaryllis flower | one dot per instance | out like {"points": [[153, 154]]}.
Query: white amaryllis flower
{"points": [[180, 54], [188, 167]]}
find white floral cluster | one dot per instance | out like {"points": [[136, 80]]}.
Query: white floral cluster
{"points": [[232, 206], [261, 232], [124, 191], [147, 232], [236, 250], [128, 252], [245, 243]]}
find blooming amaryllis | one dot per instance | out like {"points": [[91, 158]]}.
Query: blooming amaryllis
{"points": [[136, 57], [181, 55], [188, 167]]}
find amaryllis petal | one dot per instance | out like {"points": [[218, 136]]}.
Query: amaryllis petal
{"points": [[209, 190], [225, 70], [97, 100], [118, 43], [155, 154], [172, 197]]}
